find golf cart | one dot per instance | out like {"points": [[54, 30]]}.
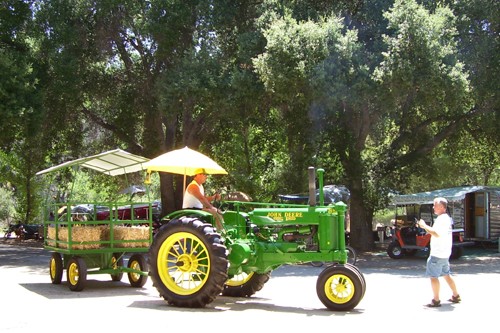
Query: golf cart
{"points": [[409, 238]]}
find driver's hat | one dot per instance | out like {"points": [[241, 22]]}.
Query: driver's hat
{"points": [[200, 171]]}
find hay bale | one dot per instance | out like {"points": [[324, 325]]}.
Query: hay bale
{"points": [[51, 236], [79, 235], [129, 236]]}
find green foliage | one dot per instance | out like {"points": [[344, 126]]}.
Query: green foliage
{"points": [[428, 91], [255, 155], [7, 205], [380, 94], [85, 185]]}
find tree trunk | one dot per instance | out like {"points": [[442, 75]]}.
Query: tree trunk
{"points": [[361, 236]]}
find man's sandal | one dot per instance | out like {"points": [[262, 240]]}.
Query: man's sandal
{"points": [[434, 304], [455, 299]]}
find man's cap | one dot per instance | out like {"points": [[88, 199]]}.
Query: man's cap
{"points": [[200, 171]]}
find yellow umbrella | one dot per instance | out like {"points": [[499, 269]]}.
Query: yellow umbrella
{"points": [[183, 161]]}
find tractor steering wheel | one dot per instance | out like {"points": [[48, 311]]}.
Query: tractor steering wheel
{"points": [[219, 204]]}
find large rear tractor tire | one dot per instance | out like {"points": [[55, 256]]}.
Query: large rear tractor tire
{"points": [[245, 285], [188, 262], [340, 287]]}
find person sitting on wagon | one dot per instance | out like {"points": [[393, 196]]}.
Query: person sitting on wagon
{"points": [[194, 197]]}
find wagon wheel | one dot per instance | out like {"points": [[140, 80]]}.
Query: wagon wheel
{"points": [[245, 285], [56, 268], [76, 273], [340, 287], [188, 262], [116, 262], [137, 262]]}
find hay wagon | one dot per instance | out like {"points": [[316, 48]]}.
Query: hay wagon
{"points": [[96, 238]]}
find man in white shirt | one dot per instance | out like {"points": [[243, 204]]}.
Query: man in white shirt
{"points": [[194, 197], [438, 263]]}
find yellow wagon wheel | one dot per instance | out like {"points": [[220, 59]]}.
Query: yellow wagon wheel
{"points": [[56, 268], [76, 273], [116, 263], [138, 263]]}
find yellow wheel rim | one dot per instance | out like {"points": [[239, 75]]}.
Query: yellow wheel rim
{"points": [[73, 274], [183, 263], [135, 266], [52, 268], [239, 280], [339, 289], [114, 262]]}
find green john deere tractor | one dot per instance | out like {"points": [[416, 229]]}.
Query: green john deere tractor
{"points": [[191, 263]]}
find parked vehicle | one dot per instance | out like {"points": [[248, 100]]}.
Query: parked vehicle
{"points": [[474, 209], [408, 238], [25, 231]]}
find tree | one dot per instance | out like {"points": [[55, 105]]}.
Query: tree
{"points": [[20, 107], [368, 105]]}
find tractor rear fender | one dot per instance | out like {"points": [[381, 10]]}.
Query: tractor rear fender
{"points": [[206, 216]]}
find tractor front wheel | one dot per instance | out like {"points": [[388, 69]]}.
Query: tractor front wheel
{"points": [[188, 262], [245, 285], [340, 287]]}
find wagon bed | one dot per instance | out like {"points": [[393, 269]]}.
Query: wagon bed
{"points": [[95, 238]]}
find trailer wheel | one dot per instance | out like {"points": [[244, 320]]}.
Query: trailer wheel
{"points": [[138, 263], [76, 273], [245, 285], [56, 268], [339, 287], [188, 262], [395, 251], [116, 261]]}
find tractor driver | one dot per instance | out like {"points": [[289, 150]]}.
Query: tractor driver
{"points": [[194, 197]]}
